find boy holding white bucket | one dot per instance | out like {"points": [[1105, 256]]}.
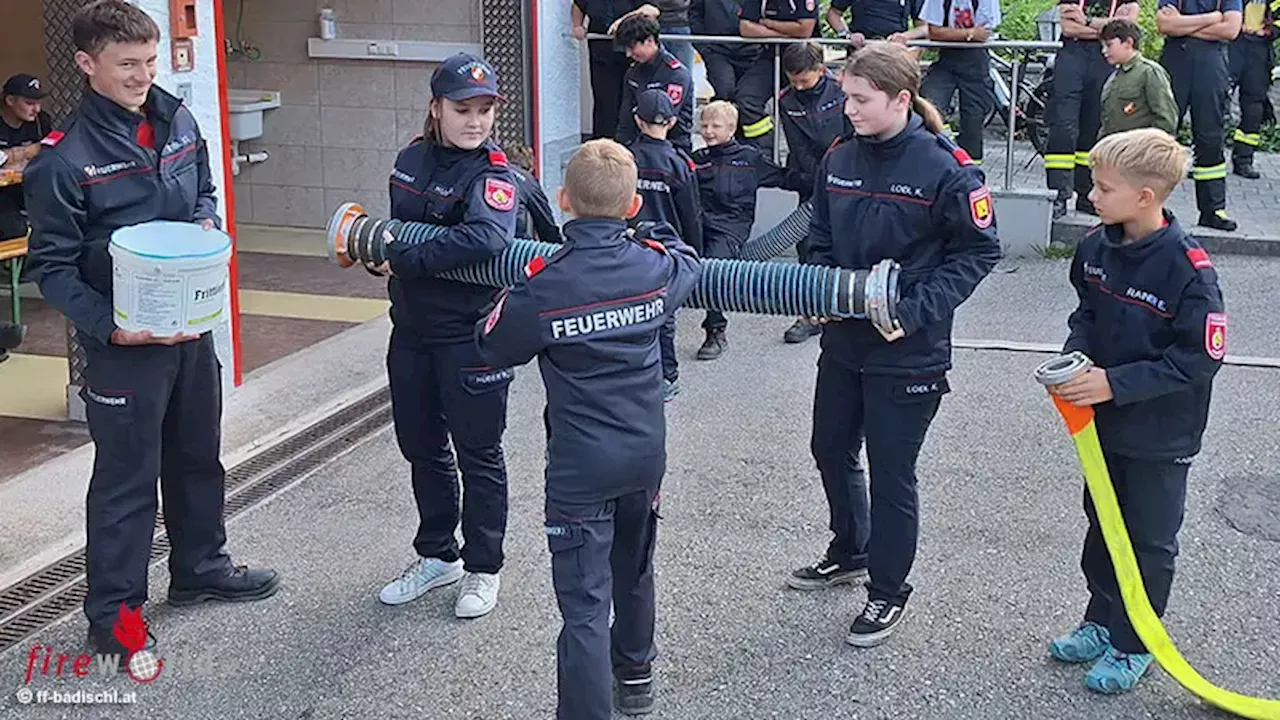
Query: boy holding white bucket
{"points": [[133, 154]]}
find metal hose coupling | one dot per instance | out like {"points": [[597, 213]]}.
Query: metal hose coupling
{"points": [[764, 288], [1058, 370]]}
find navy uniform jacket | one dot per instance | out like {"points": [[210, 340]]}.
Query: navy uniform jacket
{"points": [[669, 75], [1151, 315], [880, 18], [472, 192], [918, 199], [591, 313], [728, 177], [781, 10], [535, 219], [720, 17], [812, 120], [93, 177], [1200, 7], [669, 188]]}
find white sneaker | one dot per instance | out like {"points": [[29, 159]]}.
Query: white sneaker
{"points": [[477, 595], [422, 575]]}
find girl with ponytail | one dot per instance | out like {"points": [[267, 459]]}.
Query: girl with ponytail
{"points": [[893, 189]]}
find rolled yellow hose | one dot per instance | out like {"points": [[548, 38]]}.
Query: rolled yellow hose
{"points": [[1084, 432]]}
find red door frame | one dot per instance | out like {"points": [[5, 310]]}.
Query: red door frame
{"points": [[228, 189]]}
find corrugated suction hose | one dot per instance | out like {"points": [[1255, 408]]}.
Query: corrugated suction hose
{"points": [[764, 288], [783, 236]]}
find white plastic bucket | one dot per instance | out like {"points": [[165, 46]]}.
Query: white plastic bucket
{"points": [[170, 277]]}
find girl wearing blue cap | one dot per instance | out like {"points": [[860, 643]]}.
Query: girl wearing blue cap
{"points": [[454, 175]]}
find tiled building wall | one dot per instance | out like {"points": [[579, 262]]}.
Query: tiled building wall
{"points": [[340, 123]]}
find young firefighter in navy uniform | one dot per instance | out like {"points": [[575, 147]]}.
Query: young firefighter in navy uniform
{"points": [[812, 110], [729, 174], [896, 190], [1151, 319], [654, 69], [1195, 54], [1251, 57], [963, 70], [132, 153], [1075, 100], [669, 193], [457, 177], [591, 314]]}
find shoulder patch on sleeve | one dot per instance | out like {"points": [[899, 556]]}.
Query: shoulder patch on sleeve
{"points": [[1199, 258], [980, 208], [673, 63], [499, 194], [960, 154], [535, 266], [1215, 335], [52, 138], [656, 246], [497, 158]]}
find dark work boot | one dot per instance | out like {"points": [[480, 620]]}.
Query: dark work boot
{"points": [[1059, 208], [713, 346], [1084, 206], [1245, 169], [1218, 220], [103, 641], [239, 584], [11, 335]]}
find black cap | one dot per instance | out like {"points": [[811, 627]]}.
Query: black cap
{"points": [[465, 76], [655, 106], [27, 86]]}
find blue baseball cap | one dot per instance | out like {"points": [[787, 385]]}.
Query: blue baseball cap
{"points": [[655, 106], [465, 76]]}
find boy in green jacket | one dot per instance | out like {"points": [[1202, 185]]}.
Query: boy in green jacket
{"points": [[1138, 93]]}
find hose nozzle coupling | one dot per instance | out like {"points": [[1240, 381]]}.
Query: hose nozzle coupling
{"points": [[766, 288], [1058, 370]]}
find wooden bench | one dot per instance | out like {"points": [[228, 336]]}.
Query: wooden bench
{"points": [[13, 253]]}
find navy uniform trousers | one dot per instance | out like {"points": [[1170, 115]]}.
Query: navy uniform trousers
{"points": [[1075, 116], [1152, 495], [1198, 70], [1250, 61], [153, 411], [602, 553], [969, 72], [847, 406], [439, 391]]}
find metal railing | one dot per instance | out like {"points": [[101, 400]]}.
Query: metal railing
{"points": [[1017, 48]]}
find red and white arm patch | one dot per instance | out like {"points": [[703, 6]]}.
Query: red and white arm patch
{"points": [[656, 246], [980, 209], [497, 158], [1199, 258], [534, 267], [499, 194], [962, 156], [1215, 335], [496, 313], [52, 138]]}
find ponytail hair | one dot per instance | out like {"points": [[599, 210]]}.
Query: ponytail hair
{"points": [[431, 124], [892, 68]]}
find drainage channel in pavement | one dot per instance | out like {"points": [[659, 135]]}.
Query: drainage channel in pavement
{"points": [[53, 592]]}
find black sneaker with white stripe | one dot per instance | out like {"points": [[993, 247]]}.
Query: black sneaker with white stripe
{"points": [[876, 622], [824, 574], [633, 691]]}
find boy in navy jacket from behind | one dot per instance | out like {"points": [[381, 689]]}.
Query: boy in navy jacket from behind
{"points": [[591, 313]]}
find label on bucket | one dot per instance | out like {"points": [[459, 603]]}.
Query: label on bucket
{"points": [[157, 303], [206, 292]]}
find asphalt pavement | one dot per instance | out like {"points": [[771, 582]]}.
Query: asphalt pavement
{"points": [[996, 575]]}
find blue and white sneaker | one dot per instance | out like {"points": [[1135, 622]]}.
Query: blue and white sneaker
{"points": [[1117, 672], [1083, 644], [422, 576], [670, 389]]}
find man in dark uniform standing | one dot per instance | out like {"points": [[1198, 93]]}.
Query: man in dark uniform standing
{"points": [[1195, 54], [1075, 100], [608, 62], [1251, 56], [132, 153], [797, 19], [732, 68], [653, 68], [877, 20]]}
